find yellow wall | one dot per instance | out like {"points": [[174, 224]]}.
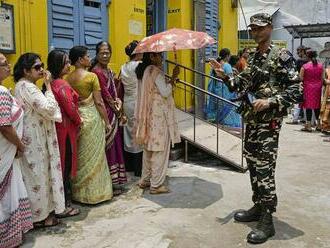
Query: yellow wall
{"points": [[228, 37], [124, 14], [31, 29], [180, 15], [31, 32]]}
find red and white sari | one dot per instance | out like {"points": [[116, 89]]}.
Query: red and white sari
{"points": [[15, 212]]}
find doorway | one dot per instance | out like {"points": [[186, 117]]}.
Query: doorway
{"points": [[72, 22], [156, 16]]}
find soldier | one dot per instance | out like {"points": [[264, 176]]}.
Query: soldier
{"points": [[266, 88]]}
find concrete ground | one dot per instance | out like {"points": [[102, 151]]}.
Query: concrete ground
{"points": [[199, 211]]}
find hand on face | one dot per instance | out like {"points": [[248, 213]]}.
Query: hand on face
{"points": [[47, 77]]}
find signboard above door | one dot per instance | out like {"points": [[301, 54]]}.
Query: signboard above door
{"points": [[7, 33]]}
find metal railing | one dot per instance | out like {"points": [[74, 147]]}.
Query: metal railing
{"points": [[199, 99]]}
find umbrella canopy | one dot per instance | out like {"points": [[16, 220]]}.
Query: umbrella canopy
{"points": [[174, 39]]}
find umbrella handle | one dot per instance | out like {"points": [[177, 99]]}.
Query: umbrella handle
{"points": [[175, 54]]}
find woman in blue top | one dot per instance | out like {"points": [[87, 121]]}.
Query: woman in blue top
{"points": [[227, 114]]}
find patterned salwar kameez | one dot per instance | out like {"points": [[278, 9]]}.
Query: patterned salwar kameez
{"points": [[156, 125]]}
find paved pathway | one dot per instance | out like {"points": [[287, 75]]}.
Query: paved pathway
{"points": [[199, 211]]}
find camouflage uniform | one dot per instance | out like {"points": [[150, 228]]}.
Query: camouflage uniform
{"points": [[271, 76]]}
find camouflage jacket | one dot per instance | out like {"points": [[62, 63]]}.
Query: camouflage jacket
{"points": [[271, 76]]}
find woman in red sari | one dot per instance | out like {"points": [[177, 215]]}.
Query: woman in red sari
{"points": [[67, 131]]}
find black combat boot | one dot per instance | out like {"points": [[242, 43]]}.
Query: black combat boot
{"points": [[253, 214], [265, 229]]}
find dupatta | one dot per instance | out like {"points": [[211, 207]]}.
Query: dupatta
{"points": [[143, 106]]}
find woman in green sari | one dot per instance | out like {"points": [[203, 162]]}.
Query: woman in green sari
{"points": [[92, 184]]}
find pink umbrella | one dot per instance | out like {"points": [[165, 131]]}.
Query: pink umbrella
{"points": [[174, 39]]}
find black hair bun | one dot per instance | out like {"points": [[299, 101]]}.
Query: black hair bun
{"points": [[129, 49]]}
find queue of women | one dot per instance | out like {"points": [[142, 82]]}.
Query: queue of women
{"points": [[315, 77], [75, 139]]}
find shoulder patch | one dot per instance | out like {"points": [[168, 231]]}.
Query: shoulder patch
{"points": [[285, 55]]}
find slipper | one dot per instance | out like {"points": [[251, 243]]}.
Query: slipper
{"points": [[159, 190], [326, 140], [144, 185], [43, 224], [68, 212], [117, 192], [306, 130], [292, 123]]}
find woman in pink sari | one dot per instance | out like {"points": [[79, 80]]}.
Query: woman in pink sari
{"points": [[311, 74], [114, 142], [155, 123]]}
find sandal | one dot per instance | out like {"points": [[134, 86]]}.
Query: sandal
{"points": [[117, 192], [306, 130], [47, 223], [292, 123], [68, 212], [160, 190], [144, 185]]}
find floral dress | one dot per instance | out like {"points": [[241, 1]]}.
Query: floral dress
{"points": [[41, 167]]}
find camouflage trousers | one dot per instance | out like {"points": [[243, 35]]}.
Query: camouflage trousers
{"points": [[260, 151]]}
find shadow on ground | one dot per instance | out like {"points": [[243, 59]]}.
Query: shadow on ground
{"points": [[188, 192], [67, 225], [201, 158], [284, 231], [59, 229]]}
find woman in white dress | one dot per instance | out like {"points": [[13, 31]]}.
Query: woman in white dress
{"points": [[41, 167], [15, 211], [132, 152]]}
